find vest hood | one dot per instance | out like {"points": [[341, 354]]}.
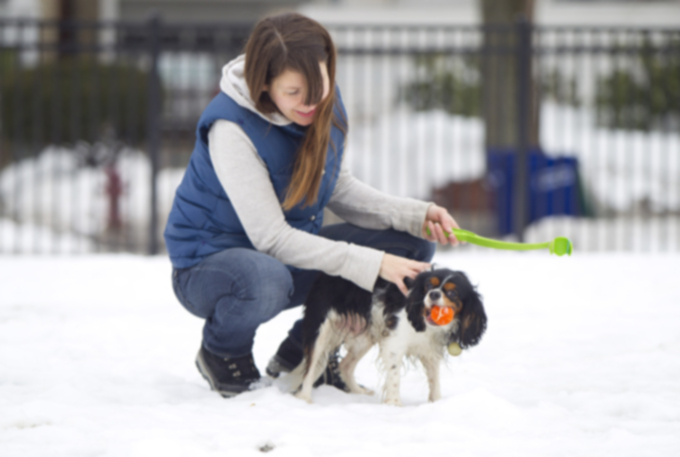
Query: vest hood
{"points": [[233, 83]]}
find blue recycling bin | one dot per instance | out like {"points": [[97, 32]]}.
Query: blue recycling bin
{"points": [[554, 186]]}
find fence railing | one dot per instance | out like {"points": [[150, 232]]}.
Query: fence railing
{"points": [[522, 131]]}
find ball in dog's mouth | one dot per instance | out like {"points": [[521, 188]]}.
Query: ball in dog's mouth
{"points": [[439, 315]]}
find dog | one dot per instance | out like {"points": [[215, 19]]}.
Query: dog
{"points": [[338, 312]]}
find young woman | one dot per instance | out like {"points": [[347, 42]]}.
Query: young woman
{"points": [[245, 232]]}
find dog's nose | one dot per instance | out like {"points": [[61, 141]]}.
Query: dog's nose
{"points": [[435, 295]]}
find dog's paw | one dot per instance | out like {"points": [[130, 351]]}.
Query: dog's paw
{"points": [[393, 401], [363, 391], [434, 398], [304, 396]]}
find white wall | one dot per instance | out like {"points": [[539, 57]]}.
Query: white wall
{"points": [[632, 13], [548, 12], [20, 8]]}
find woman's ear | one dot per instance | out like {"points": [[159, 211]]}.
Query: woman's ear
{"points": [[472, 321]]}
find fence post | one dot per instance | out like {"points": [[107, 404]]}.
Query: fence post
{"points": [[153, 127], [521, 188]]}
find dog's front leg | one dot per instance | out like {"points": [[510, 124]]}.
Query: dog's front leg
{"points": [[431, 365], [392, 356]]}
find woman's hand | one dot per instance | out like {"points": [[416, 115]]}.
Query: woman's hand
{"points": [[394, 269], [438, 221]]}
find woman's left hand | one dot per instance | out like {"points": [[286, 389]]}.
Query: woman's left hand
{"points": [[438, 220]]}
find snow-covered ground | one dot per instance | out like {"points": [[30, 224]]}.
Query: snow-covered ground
{"points": [[581, 358]]}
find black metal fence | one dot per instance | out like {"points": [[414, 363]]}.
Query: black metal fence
{"points": [[521, 131]]}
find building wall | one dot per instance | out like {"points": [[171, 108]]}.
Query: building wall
{"points": [[659, 13], [204, 10]]}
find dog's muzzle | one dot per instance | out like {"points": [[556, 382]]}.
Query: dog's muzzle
{"points": [[434, 297]]}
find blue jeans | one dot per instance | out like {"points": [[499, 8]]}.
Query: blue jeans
{"points": [[238, 289]]}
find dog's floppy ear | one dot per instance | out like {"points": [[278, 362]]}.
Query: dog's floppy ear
{"points": [[409, 282], [472, 321], [414, 303]]}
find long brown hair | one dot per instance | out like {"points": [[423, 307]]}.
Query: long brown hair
{"points": [[294, 42]]}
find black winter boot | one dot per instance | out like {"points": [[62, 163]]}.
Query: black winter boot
{"points": [[285, 360], [289, 355], [228, 376]]}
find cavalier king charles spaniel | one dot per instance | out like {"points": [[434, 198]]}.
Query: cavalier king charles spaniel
{"points": [[338, 312]]}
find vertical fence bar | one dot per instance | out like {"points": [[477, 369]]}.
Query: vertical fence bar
{"points": [[112, 82], [524, 56], [153, 126], [17, 150], [38, 178], [57, 87], [73, 54], [4, 158], [674, 43]]}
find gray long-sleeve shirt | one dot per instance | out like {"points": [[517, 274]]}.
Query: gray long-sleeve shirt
{"points": [[245, 178]]}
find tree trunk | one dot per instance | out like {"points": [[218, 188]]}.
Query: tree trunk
{"points": [[67, 35], [500, 74]]}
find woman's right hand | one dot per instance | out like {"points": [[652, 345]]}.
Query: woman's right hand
{"points": [[394, 269]]}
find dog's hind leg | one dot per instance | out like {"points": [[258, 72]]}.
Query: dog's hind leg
{"points": [[318, 359], [431, 365], [357, 348]]}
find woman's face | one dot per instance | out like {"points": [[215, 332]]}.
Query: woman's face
{"points": [[289, 91]]}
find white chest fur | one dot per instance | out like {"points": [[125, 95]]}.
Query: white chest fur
{"points": [[404, 342]]}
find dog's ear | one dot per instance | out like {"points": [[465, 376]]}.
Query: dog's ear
{"points": [[414, 312], [472, 321], [414, 303], [409, 282]]}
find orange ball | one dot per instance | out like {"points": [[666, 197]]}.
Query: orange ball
{"points": [[441, 315]]}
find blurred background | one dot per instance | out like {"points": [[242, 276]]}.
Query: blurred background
{"points": [[527, 119]]}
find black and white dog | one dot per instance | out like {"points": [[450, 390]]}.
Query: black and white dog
{"points": [[339, 312]]}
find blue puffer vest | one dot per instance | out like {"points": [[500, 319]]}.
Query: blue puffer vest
{"points": [[202, 220]]}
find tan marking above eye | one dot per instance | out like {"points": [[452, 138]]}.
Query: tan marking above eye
{"points": [[434, 281], [449, 286], [457, 306]]}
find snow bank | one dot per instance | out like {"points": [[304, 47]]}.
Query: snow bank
{"points": [[409, 154], [55, 195]]}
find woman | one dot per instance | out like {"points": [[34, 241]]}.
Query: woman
{"points": [[245, 231]]}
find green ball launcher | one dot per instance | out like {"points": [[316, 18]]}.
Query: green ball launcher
{"points": [[559, 246]]}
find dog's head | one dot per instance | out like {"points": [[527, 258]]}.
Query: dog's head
{"points": [[452, 289]]}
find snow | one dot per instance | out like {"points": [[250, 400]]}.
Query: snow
{"points": [[581, 357]]}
